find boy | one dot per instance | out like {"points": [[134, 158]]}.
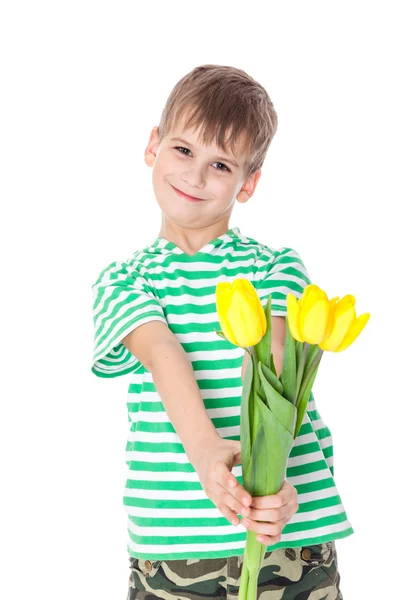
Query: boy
{"points": [[155, 316]]}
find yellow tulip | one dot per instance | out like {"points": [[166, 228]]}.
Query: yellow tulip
{"points": [[309, 318], [346, 326], [241, 315], [330, 324]]}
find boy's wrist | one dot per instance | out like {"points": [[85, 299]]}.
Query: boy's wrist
{"points": [[196, 447]]}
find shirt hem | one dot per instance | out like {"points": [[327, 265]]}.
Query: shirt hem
{"points": [[240, 551]]}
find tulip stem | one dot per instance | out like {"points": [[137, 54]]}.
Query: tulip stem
{"points": [[300, 370], [256, 383], [310, 371], [244, 580]]}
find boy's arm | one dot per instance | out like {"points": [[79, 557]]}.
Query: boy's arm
{"points": [[159, 350]]}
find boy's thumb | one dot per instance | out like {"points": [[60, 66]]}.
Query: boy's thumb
{"points": [[238, 454], [238, 459]]}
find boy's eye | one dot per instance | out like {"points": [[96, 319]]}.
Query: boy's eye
{"points": [[179, 148]]}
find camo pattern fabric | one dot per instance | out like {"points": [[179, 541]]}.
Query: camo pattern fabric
{"points": [[310, 572]]}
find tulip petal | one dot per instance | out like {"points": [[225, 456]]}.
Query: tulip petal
{"points": [[311, 294], [261, 316], [293, 317], [354, 331], [313, 314], [331, 317], [344, 316], [245, 286], [314, 319], [244, 320], [223, 303]]}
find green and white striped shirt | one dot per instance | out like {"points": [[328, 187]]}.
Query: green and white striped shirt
{"points": [[169, 515]]}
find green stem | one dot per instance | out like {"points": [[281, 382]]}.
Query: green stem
{"points": [[310, 372], [251, 567], [300, 369], [256, 375], [254, 550], [262, 554], [252, 586], [244, 580], [253, 414]]}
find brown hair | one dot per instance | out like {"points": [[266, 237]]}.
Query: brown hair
{"points": [[223, 97]]}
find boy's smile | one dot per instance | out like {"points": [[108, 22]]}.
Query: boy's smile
{"points": [[190, 198], [196, 186]]}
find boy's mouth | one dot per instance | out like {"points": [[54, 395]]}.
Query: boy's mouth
{"points": [[186, 196]]}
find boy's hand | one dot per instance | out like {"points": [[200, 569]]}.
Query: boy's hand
{"points": [[268, 515], [213, 465]]}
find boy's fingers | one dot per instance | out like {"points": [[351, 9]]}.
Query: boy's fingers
{"points": [[282, 498], [234, 487], [227, 506]]}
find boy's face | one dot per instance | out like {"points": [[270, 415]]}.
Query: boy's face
{"points": [[181, 162]]}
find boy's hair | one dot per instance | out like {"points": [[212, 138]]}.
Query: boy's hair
{"points": [[218, 98]]}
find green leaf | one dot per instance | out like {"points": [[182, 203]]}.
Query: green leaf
{"points": [[288, 375], [263, 348], [272, 378], [221, 334], [258, 475], [256, 386], [299, 352], [272, 365], [278, 443], [312, 353], [302, 405], [245, 433], [282, 409], [303, 353], [261, 393]]}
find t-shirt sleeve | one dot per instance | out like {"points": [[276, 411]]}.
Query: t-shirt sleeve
{"points": [[279, 273], [122, 300]]}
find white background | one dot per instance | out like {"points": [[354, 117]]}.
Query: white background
{"points": [[82, 85]]}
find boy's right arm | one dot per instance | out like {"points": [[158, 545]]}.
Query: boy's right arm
{"points": [[159, 350]]}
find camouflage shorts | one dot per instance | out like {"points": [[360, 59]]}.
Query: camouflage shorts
{"points": [[310, 572]]}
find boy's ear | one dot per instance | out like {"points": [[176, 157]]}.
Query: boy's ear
{"points": [[249, 187], [151, 148], [256, 177]]}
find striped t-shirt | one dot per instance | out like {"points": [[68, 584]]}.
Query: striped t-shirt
{"points": [[169, 516]]}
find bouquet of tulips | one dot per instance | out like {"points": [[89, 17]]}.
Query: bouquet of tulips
{"points": [[272, 408]]}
